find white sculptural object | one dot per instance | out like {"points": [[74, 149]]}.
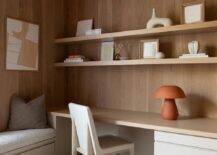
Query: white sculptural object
{"points": [[193, 47], [154, 21]]}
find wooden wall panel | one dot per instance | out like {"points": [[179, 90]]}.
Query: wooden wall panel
{"points": [[47, 80], [54, 80], [132, 87]]}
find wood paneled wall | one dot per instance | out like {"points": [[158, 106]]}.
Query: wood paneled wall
{"points": [[48, 80], [120, 87], [132, 87]]}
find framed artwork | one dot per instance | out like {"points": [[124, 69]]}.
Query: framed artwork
{"points": [[83, 26], [193, 12], [107, 51], [22, 45], [121, 51], [149, 48]]}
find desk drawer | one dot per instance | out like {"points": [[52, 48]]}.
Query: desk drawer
{"points": [[162, 148], [186, 140], [178, 144]]}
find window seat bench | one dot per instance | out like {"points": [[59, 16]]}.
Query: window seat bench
{"points": [[28, 142]]}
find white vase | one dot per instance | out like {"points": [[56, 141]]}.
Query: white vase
{"points": [[154, 21]]}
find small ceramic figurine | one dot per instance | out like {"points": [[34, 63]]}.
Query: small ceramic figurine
{"points": [[194, 52], [193, 47], [154, 21]]}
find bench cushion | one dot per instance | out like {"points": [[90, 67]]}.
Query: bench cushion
{"points": [[13, 140]]}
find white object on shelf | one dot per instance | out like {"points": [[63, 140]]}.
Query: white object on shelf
{"points": [[193, 47], [107, 51], [93, 32], [149, 48], [83, 26], [199, 55], [193, 13], [159, 55], [154, 21]]}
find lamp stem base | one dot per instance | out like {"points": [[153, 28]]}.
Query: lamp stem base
{"points": [[169, 110]]}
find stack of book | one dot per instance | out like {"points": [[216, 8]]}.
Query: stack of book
{"points": [[74, 58], [198, 55]]}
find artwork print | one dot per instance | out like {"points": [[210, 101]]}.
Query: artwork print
{"points": [[22, 43]]}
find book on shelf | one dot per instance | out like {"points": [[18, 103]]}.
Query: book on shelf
{"points": [[199, 55], [75, 58]]}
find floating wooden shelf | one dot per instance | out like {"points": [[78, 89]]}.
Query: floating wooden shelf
{"points": [[177, 29], [175, 61]]}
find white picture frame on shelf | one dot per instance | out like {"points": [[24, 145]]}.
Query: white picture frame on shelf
{"points": [[83, 26], [107, 51], [193, 12], [149, 48]]}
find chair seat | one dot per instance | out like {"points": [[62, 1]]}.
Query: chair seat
{"points": [[111, 141], [113, 144]]}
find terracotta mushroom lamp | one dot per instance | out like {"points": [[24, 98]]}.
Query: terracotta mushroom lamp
{"points": [[169, 109]]}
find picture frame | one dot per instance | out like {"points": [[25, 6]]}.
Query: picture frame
{"points": [[121, 51], [193, 12], [21, 36], [83, 26], [107, 51], [149, 48]]}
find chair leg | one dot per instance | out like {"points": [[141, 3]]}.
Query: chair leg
{"points": [[132, 150]]}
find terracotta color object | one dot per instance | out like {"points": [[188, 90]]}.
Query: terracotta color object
{"points": [[169, 94]]}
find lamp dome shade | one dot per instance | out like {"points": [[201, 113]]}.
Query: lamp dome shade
{"points": [[169, 92]]}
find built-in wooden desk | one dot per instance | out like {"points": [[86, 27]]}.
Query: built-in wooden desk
{"points": [[202, 127]]}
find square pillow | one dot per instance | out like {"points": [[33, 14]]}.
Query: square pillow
{"points": [[31, 115]]}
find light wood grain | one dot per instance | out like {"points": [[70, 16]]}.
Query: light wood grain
{"points": [[132, 87], [32, 84], [177, 29], [171, 61], [203, 127]]}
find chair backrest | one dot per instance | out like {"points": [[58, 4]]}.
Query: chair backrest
{"points": [[85, 128]]}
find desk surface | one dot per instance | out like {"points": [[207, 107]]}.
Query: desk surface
{"points": [[203, 127]]}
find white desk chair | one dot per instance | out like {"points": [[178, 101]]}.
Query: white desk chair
{"points": [[87, 137]]}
